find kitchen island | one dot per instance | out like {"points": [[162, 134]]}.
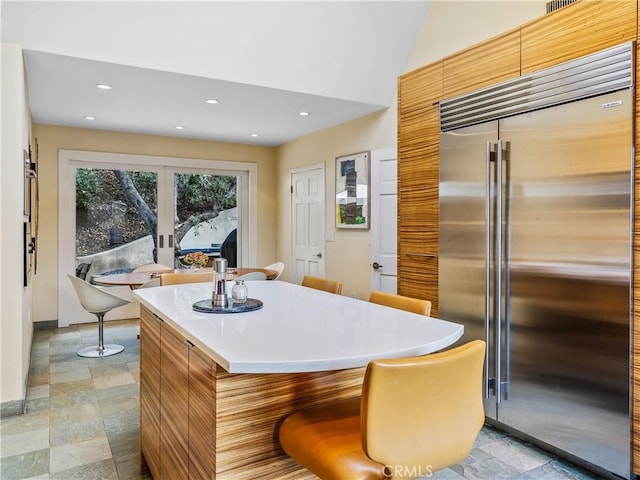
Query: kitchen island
{"points": [[214, 388]]}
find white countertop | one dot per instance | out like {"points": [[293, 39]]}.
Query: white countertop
{"points": [[298, 329]]}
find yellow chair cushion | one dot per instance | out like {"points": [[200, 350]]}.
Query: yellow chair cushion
{"points": [[416, 415], [424, 412], [326, 440], [414, 305]]}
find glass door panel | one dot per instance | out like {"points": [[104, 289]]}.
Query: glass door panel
{"points": [[205, 211], [116, 220], [117, 215]]}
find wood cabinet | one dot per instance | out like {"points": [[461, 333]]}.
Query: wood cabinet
{"points": [[202, 422], [635, 340], [418, 138], [176, 397], [482, 65], [579, 29], [150, 330], [198, 421], [174, 405], [585, 27]]}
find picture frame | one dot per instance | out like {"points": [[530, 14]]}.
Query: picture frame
{"points": [[26, 204], [353, 187]]}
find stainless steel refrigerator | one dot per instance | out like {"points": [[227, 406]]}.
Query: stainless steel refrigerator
{"points": [[535, 250]]}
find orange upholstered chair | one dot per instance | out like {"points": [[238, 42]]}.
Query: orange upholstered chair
{"points": [[422, 307], [319, 283], [415, 416], [175, 278]]}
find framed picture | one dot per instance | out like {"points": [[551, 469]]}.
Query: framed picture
{"points": [[352, 191], [27, 184]]}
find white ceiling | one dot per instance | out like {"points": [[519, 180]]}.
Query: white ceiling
{"points": [[264, 61]]}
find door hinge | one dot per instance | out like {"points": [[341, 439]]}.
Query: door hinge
{"points": [[291, 187]]}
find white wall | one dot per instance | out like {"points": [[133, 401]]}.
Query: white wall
{"points": [[15, 300], [450, 26], [453, 25]]}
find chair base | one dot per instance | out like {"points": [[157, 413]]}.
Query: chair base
{"points": [[97, 352]]}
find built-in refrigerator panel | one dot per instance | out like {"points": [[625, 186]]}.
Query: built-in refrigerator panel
{"points": [[567, 269], [463, 254], [534, 257]]}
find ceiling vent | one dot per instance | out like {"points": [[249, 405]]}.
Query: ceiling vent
{"points": [[557, 4]]}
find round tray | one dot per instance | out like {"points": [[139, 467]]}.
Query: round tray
{"points": [[205, 306]]}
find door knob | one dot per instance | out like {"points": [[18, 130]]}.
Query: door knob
{"points": [[319, 255], [376, 265]]}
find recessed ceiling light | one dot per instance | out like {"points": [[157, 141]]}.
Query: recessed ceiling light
{"points": [[89, 117], [304, 114], [212, 101], [179, 127], [255, 135], [104, 86]]}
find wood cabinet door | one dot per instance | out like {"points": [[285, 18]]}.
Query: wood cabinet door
{"points": [[174, 405], [482, 65], [202, 425], [150, 328], [579, 29], [418, 177], [636, 291]]}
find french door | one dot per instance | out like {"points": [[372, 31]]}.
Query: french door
{"points": [[115, 216]]}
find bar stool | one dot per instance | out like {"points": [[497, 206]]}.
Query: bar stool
{"points": [[97, 301], [416, 415], [320, 283]]}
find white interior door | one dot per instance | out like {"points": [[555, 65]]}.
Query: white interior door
{"points": [[384, 220], [307, 222]]}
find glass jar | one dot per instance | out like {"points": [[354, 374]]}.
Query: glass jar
{"points": [[239, 292]]}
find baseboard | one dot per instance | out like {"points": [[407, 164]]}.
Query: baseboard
{"points": [[11, 408], [46, 325]]}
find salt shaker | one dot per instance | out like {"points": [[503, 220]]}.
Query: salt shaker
{"points": [[239, 292]]}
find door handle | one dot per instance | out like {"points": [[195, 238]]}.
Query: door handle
{"points": [[160, 241], [319, 255], [376, 265]]}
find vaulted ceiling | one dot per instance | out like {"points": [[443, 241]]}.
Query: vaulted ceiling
{"points": [[264, 63]]}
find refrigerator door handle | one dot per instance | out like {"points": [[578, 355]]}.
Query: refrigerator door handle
{"points": [[487, 264], [498, 274]]}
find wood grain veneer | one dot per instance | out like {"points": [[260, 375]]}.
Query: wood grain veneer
{"points": [[579, 29], [217, 425], [418, 177], [584, 27], [482, 65], [150, 327], [174, 405], [202, 416], [250, 408], [635, 327]]}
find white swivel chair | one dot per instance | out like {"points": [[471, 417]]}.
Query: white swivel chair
{"points": [[97, 301], [278, 267], [252, 276]]}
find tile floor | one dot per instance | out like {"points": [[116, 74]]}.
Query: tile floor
{"points": [[82, 420]]}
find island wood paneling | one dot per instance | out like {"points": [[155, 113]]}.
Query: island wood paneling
{"points": [[150, 327], [202, 420], [251, 407], [174, 405], [217, 425], [418, 176], [482, 65], [579, 29]]}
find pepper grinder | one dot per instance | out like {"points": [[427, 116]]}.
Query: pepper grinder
{"points": [[219, 298]]}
